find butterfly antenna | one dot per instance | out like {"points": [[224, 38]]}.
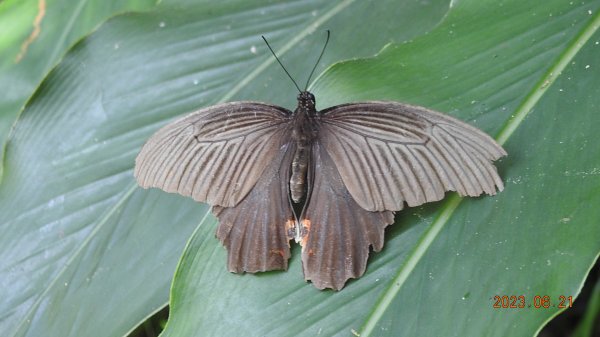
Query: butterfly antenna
{"points": [[318, 60], [281, 64]]}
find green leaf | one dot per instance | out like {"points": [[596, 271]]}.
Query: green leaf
{"points": [[84, 251], [34, 35], [524, 71], [586, 325]]}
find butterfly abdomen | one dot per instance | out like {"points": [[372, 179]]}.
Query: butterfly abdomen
{"points": [[299, 169], [303, 133]]}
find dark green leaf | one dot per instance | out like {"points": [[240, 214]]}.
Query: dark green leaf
{"points": [[84, 251], [35, 34], [524, 71]]}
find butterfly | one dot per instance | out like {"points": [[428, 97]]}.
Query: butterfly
{"points": [[331, 179]]}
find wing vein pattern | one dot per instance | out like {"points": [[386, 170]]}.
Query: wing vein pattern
{"points": [[389, 153], [226, 146], [338, 232], [257, 231]]}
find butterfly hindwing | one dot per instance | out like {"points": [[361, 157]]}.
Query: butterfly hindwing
{"points": [[215, 155], [337, 232], [257, 231], [388, 153]]}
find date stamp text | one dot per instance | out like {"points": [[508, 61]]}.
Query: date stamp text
{"points": [[536, 302]]}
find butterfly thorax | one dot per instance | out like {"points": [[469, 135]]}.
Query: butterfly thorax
{"points": [[303, 133]]}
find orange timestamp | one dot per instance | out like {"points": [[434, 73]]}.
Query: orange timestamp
{"points": [[536, 302]]}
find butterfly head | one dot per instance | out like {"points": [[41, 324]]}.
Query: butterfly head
{"points": [[306, 101]]}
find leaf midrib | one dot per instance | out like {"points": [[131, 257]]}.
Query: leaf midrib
{"points": [[452, 203]]}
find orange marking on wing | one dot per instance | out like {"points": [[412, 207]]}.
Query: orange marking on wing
{"points": [[277, 252], [305, 231], [290, 228]]}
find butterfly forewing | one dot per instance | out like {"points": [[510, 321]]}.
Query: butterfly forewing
{"points": [[388, 153], [215, 155]]}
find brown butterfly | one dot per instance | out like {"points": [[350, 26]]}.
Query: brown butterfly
{"points": [[349, 167]]}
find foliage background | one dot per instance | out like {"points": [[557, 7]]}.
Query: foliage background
{"points": [[84, 251]]}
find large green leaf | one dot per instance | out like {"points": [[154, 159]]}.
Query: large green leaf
{"points": [[84, 251], [34, 35], [524, 71]]}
